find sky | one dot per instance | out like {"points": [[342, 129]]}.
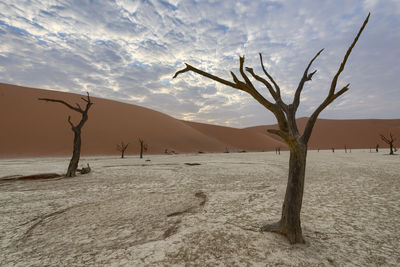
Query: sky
{"points": [[128, 50]]}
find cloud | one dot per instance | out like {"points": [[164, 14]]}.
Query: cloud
{"points": [[129, 50]]}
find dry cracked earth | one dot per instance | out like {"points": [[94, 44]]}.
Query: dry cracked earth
{"points": [[200, 210]]}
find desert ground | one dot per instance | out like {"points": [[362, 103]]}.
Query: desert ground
{"points": [[200, 210]]}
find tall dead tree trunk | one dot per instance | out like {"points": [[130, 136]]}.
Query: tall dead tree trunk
{"points": [[73, 164], [122, 148], [389, 141], [289, 224], [143, 147]]}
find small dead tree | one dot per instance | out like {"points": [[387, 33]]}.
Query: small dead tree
{"points": [[289, 225], [73, 164], [389, 141], [143, 147], [122, 148], [345, 149], [377, 148]]}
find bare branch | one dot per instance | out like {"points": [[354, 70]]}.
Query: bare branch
{"points": [[332, 95], [70, 122], [62, 102], [88, 98], [384, 139], [346, 56], [205, 74], [265, 82], [306, 77], [278, 90], [394, 139], [279, 133], [241, 85], [387, 140], [246, 87], [248, 82]]}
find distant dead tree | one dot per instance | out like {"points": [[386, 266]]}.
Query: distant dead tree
{"points": [[122, 148], [73, 164], [345, 149], [389, 141], [377, 148], [333, 150], [289, 225], [143, 147]]}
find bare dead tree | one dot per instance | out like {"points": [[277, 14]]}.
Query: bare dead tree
{"points": [[389, 141], [143, 147], [73, 164], [122, 148], [377, 148], [289, 225], [345, 149]]}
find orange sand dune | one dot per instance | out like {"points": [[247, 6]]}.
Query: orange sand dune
{"points": [[238, 138], [31, 128], [337, 134], [36, 128]]}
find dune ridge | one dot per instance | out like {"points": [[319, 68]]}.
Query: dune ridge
{"points": [[32, 128]]}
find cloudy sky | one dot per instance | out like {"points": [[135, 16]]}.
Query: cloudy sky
{"points": [[128, 50]]}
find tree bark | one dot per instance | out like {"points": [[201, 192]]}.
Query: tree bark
{"points": [[290, 223], [76, 154]]}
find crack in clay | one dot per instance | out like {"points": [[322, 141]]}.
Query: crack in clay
{"points": [[254, 229], [38, 176], [203, 199], [41, 219], [172, 229]]}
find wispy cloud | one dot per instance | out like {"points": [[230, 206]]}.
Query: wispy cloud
{"points": [[129, 50]]}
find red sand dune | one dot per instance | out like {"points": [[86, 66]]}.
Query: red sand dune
{"points": [[31, 128], [337, 134]]}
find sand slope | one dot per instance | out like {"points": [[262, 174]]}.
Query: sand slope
{"points": [[37, 128], [31, 128], [341, 133]]}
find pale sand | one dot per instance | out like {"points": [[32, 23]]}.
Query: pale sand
{"points": [[117, 215]]}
